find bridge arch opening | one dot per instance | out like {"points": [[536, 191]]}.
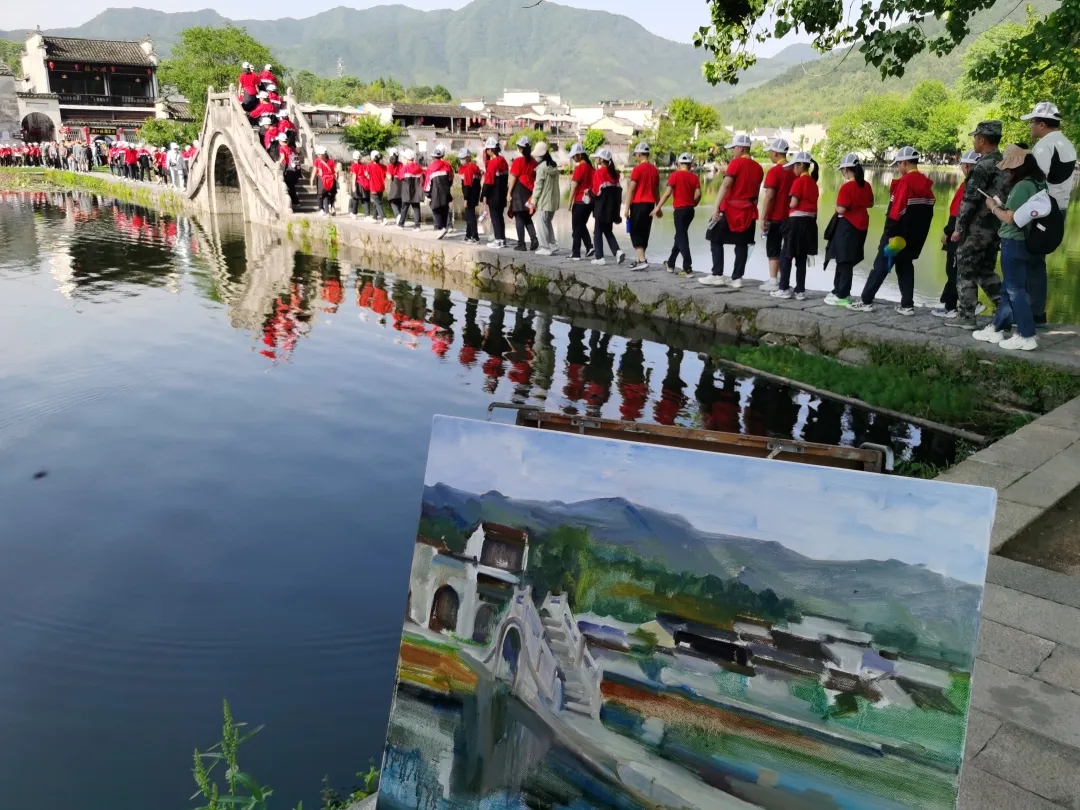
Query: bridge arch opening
{"points": [[38, 127], [227, 195], [444, 610], [509, 656]]}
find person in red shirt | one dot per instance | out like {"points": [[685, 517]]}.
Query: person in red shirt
{"points": [[272, 95], [521, 184], [376, 176], [496, 177], [325, 172], [853, 203], [607, 199], [270, 133], [262, 108], [801, 236], [412, 189], [684, 191], [131, 161], [580, 207], [289, 160], [439, 179], [248, 83], [470, 193], [911, 212], [358, 184], [267, 76], [774, 212], [640, 205], [736, 213], [949, 296]]}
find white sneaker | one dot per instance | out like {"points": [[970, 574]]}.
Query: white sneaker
{"points": [[553, 252], [800, 296], [941, 312], [543, 252], [713, 281], [620, 257], [599, 261], [785, 294], [831, 300], [988, 334], [352, 216], [1017, 343], [770, 286], [735, 284], [641, 266], [905, 310], [498, 244], [859, 306]]}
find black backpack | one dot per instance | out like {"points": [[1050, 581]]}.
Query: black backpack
{"points": [[1043, 236]]}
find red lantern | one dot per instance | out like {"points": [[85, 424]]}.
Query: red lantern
{"points": [[51, 65]]}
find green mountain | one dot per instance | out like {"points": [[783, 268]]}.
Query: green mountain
{"points": [[817, 92], [477, 50]]}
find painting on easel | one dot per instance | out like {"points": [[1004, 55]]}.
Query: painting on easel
{"points": [[593, 623]]}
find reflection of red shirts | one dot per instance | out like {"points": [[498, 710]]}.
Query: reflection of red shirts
{"points": [[376, 175], [602, 178], [520, 372], [856, 200], [596, 394], [525, 171], [440, 343], [249, 83], [467, 355], [667, 409], [575, 381], [381, 304], [683, 183], [367, 293], [493, 370], [494, 168], [724, 413], [805, 189], [327, 172], [739, 205], [913, 188], [647, 179], [468, 173], [779, 179], [958, 197], [583, 177], [634, 396], [332, 293]]}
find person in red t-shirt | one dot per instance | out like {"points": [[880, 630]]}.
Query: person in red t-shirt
{"points": [[911, 212], [496, 172], [774, 210], [853, 203], [131, 161], [358, 183], [470, 193], [248, 83], [801, 236], [325, 172], [736, 212], [949, 297], [289, 160], [684, 191], [521, 184], [267, 76], [376, 176], [640, 205], [262, 108], [439, 180], [580, 203]]}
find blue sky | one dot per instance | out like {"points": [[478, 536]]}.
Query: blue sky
{"points": [[674, 19], [821, 513]]}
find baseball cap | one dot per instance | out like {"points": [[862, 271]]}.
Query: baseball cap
{"points": [[491, 143], [1044, 109], [906, 153], [641, 149], [540, 150], [970, 156], [522, 142], [603, 153], [321, 150], [800, 157], [991, 128], [848, 161], [410, 154], [282, 137], [356, 154], [271, 86], [779, 145], [438, 151], [463, 154], [268, 67], [375, 154], [577, 149], [739, 140], [686, 157]]}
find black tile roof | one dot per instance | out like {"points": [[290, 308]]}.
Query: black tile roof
{"points": [[96, 51], [432, 110]]}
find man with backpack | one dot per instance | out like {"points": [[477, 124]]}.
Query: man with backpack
{"points": [[1056, 157]]}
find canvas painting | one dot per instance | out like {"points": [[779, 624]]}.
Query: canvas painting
{"points": [[593, 623]]}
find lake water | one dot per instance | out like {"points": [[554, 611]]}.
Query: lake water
{"points": [[211, 476], [1063, 267]]}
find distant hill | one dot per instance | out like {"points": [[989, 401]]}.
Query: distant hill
{"points": [[882, 592], [817, 92], [475, 51]]}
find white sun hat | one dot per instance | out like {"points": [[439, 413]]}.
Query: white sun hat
{"points": [[1044, 109], [800, 157], [577, 149], [491, 143], [740, 140], [642, 149], [522, 142], [375, 154], [463, 154], [686, 157], [906, 153], [850, 160], [779, 145]]}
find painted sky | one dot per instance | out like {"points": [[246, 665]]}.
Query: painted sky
{"points": [[818, 512], [673, 19]]}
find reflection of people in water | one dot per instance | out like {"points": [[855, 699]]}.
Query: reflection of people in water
{"points": [[633, 382], [332, 291], [287, 321], [442, 318], [495, 345], [719, 404], [521, 355], [576, 358], [472, 337], [599, 373], [543, 357], [672, 399]]}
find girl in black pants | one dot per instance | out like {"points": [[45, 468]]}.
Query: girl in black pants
{"points": [[684, 190], [580, 210], [496, 174], [607, 202], [521, 183], [853, 201], [800, 239]]}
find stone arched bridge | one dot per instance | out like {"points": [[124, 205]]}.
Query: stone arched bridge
{"points": [[232, 172]]}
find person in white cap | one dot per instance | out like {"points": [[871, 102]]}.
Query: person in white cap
{"points": [[289, 160], [393, 194], [324, 172], [546, 199], [580, 202], [174, 164], [357, 182], [1056, 156], [774, 210], [735, 214], [412, 190], [801, 234], [376, 175], [470, 193], [248, 82], [521, 183], [948, 293], [607, 202], [911, 212], [439, 181], [846, 234], [496, 177], [641, 199], [684, 191]]}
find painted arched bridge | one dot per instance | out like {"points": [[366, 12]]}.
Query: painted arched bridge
{"points": [[232, 173]]}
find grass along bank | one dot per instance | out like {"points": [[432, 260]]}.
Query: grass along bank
{"points": [[163, 199]]}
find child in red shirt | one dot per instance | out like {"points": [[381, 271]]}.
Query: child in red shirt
{"points": [[521, 184], [684, 191], [853, 201], [641, 199], [800, 240]]}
